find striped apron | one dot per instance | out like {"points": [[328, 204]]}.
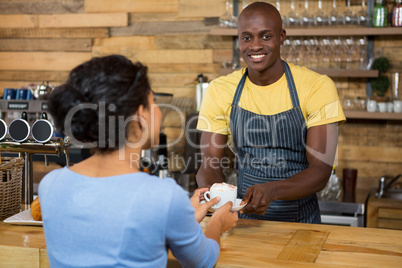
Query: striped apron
{"points": [[272, 148]]}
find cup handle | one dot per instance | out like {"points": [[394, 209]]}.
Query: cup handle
{"points": [[206, 197]]}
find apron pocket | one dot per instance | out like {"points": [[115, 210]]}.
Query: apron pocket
{"points": [[279, 210]]}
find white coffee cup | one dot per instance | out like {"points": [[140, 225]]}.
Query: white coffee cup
{"points": [[382, 107], [390, 107], [398, 106], [371, 106], [226, 192]]}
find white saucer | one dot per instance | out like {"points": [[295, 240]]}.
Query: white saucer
{"points": [[236, 206], [23, 218]]}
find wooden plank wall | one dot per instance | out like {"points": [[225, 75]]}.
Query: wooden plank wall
{"points": [[41, 40]]}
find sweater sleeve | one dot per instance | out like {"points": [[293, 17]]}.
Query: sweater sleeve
{"points": [[185, 237]]}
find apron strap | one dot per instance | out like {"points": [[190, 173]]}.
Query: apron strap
{"points": [[239, 89], [291, 85], [289, 78]]}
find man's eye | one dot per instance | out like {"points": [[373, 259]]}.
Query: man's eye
{"points": [[246, 38], [266, 37]]}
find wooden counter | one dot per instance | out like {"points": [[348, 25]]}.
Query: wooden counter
{"points": [[251, 244]]}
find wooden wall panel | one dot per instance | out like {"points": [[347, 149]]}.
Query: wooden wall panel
{"points": [[184, 68], [390, 47], [138, 42], [41, 6], [222, 55], [371, 133], [33, 75], [157, 56], [46, 44], [92, 6], [394, 54], [192, 41], [173, 79], [156, 27], [43, 61], [18, 21], [83, 20], [205, 8], [370, 154], [54, 33], [177, 91], [135, 17]]}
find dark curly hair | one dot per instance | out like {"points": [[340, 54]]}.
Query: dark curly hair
{"points": [[97, 90]]}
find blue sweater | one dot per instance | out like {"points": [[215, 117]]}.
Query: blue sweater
{"points": [[128, 220]]}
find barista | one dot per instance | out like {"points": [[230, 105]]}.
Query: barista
{"points": [[281, 120]]}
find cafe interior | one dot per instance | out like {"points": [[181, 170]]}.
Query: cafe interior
{"points": [[186, 44]]}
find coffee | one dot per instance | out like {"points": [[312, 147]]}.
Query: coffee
{"points": [[226, 192]]}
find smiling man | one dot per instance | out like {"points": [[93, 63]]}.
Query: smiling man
{"points": [[279, 118]]}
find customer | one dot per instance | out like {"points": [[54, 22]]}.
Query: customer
{"points": [[104, 212], [281, 119]]}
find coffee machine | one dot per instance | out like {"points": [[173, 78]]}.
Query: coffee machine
{"points": [[20, 138]]}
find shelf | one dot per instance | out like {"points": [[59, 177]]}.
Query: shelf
{"points": [[330, 73], [321, 31], [372, 115]]}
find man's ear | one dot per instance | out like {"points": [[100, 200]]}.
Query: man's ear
{"points": [[283, 36]]}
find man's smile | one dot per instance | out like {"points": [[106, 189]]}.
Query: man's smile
{"points": [[257, 57]]}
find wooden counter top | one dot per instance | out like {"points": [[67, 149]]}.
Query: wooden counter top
{"points": [[251, 243]]}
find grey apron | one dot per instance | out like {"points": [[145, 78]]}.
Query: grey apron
{"points": [[272, 148]]}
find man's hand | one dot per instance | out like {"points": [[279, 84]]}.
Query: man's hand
{"points": [[257, 198], [202, 209]]}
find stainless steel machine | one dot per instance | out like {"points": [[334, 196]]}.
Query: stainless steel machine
{"points": [[342, 213], [56, 146]]}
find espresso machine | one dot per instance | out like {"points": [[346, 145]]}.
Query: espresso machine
{"points": [[19, 137]]}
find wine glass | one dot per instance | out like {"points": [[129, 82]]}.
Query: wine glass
{"points": [[283, 17], [314, 52], [325, 48], [305, 52], [297, 48], [227, 19], [292, 17], [335, 18], [337, 51], [320, 18], [286, 50], [351, 57], [306, 19], [349, 17], [362, 15], [362, 50]]}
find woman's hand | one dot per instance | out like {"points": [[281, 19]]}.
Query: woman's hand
{"points": [[202, 209], [226, 217]]}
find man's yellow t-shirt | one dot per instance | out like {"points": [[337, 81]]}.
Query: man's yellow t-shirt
{"points": [[317, 94]]}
